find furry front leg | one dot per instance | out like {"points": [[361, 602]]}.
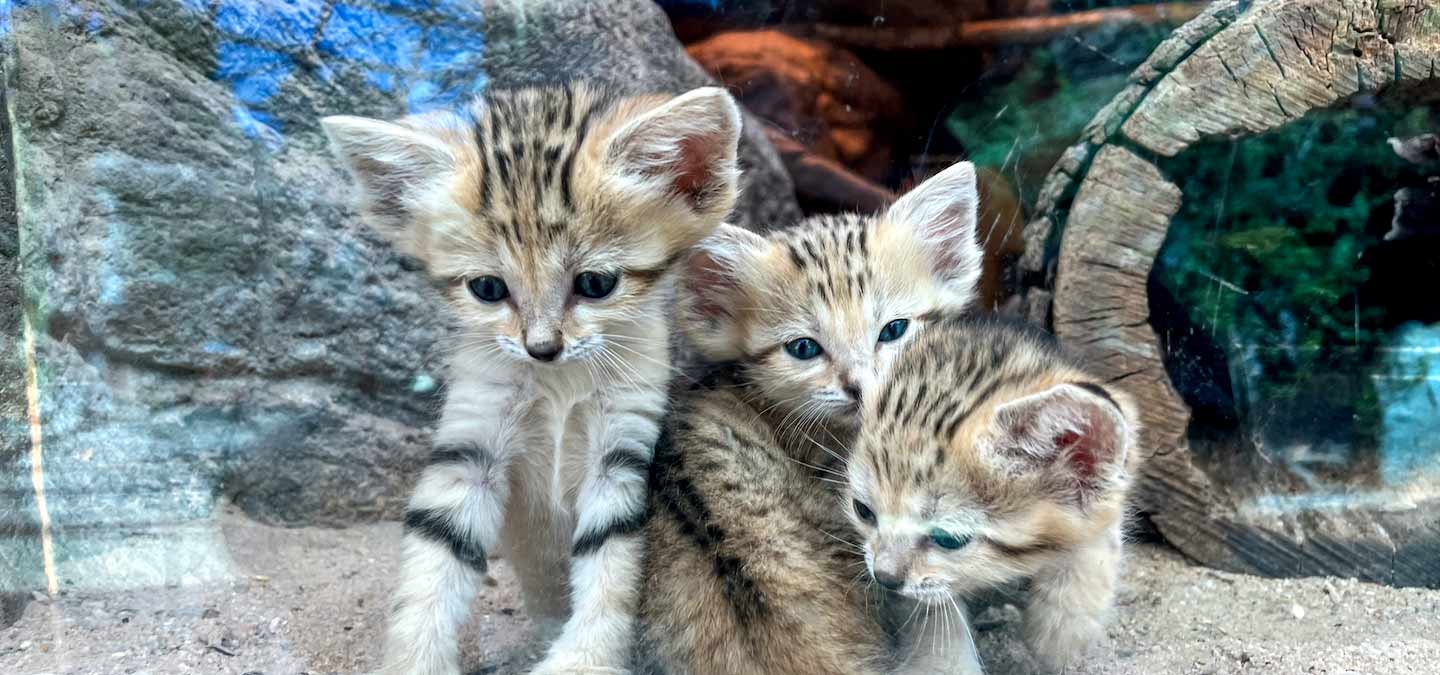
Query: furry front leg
{"points": [[452, 520], [606, 555], [1069, 602]]}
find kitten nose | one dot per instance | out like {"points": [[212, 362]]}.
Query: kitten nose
{"points": [[544, 350], [889, 581]]}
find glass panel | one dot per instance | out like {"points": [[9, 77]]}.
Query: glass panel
{"points": [[218, 381], [1290, 308]]}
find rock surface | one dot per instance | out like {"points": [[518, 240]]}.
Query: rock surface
{"points": [[211, 317], [820, 95]]}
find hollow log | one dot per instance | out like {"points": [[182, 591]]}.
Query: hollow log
{"points": [[1239, 69]]}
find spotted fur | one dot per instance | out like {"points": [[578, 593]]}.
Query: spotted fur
{"points": [[751, 564], [555, 398], [989, 435]]}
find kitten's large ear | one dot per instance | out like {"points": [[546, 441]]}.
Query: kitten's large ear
{"points": [[391, 163], [942, 212], [684, 150], [1076, 431], [713, 295]]}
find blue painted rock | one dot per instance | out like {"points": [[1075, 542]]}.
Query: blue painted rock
{"points": [[211, 320]]}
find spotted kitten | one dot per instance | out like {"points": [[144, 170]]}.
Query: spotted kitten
{"points": [[988, 456], [750, 565], [557, 219]]}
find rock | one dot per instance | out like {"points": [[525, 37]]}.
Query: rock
{"points": [[212, 320], [629, 45], [824, 185], [1422, 149], [822, 96]]}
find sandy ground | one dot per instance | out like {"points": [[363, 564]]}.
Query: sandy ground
{"points": [[312, 601]]}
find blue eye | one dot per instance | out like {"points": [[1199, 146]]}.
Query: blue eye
{"points": [[863, 511], [488, 289], [893, 330], [594, 285], [946, 540], [803, 348]]}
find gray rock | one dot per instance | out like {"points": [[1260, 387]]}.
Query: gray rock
{"points": [[212, 318], [629, 45]]}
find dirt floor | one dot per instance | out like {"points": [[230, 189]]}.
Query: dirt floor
{"points": [[312, 601]]}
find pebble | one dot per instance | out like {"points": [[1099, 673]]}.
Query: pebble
{"points": [[1297, 611]]}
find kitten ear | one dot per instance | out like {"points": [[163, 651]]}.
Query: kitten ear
{"points": [[712, 291], [942, 212], [1077, 430], [684, 150], [391, 163]]}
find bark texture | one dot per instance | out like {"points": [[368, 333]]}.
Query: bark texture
{"points": [[1239, 69]]}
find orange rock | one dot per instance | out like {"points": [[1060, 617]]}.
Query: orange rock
{"points": [[821, 96]]}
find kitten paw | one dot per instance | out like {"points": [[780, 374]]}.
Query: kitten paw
{"points": [[548, 668], [575, 663], [1058, 643]]}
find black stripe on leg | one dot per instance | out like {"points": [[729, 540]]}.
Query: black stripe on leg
{"points": [[625, 460], [437, 527], [458, 453], [591, 541]]}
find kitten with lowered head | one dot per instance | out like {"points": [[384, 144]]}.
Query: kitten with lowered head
{"points": [[989, 456], [557, 220], [751, 563]]}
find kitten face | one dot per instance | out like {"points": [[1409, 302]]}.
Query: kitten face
{"points": [[815, 313], [985, 457], [552, 216]]}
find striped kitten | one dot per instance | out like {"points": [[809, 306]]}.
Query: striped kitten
{"points": [[556, 219], [812, 314], [987, 457], [748, 567]]}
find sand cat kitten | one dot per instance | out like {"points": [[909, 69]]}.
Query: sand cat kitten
{"points": [[748, 569], [557, 219], [811, 314], [987, 457]]}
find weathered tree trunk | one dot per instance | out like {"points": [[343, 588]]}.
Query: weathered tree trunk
{"points": [[1239, 69]]}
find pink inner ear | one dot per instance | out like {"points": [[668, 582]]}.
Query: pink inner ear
{"points": [[709, 283], [692, 170], [949, 261], [950, 255], [1081, 451]]}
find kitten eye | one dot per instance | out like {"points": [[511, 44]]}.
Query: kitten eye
{"points": [[594, 285], [803, 348], [946, 540], [893, 330], [488, 289], [863, 511]]}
